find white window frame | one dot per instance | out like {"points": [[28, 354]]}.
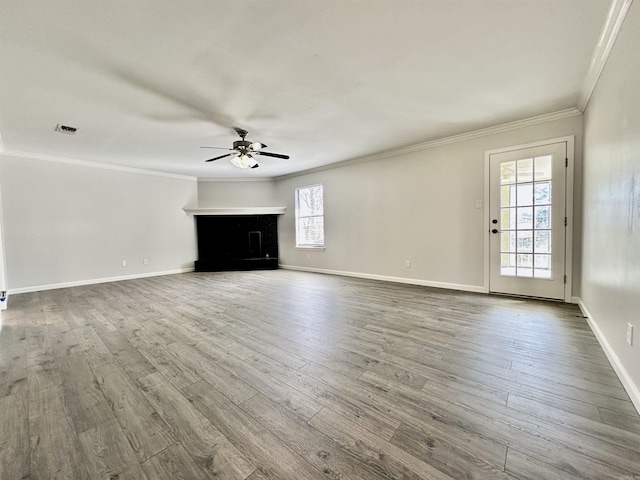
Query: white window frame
{"points": [[304, 246]]}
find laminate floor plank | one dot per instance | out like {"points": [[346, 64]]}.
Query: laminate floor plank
{"points": [[109, 454], [311, 376], [385, 457], [210, 449], [111, 310], [512, 429], [265, 450], [178, 374], [146, 431], [55, 450], [610, 434], [228, 383], [94, 349], [61, 340], [43, 373], [551, 394], [527, 468], [128, 357], [46, 400], [394, 374], [412, 406], [445, 456], [284, 356], [361, 412], [616, 419], [257, 475], [173, 462], [342, 361], [218, 340], [603, 378], [279, 391], [314, 447], [546, 442], [349, 365], [83, 400], [543, 439], [13, 361], [98, 321], [446, 386], [171, 332], [77, 318], [14, 438], [557, 376]]}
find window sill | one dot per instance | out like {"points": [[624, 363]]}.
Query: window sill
{"points": [[317, 249]]}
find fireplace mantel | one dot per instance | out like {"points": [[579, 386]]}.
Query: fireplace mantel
{"points": [[236, 211]]}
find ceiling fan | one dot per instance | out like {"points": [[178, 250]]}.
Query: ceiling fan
{"points": [[244, 150]]}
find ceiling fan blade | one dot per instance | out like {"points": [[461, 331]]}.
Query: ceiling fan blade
{"points": [[218, 158], [197, 103], [276, 155], [255, 166], [219, 148]]}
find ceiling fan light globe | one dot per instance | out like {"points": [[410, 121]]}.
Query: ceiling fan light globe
{"points": [[239, 162], [244, 161]]}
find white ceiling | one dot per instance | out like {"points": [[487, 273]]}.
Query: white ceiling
{"points": [[148, 82]]}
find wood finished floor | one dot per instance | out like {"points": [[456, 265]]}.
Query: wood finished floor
{"points": [[289, 375]]}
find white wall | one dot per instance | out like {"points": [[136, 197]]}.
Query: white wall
{"points": [[611, 260], [67, 223], [418, 206], [220, 194]]}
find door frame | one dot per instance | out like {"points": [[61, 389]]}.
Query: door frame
{"points": [[568, 248]]}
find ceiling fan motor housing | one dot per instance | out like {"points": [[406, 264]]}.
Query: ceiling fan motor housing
{"points": [[240, 144]]}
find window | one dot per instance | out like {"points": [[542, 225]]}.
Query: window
{"points": [[309, 217]]}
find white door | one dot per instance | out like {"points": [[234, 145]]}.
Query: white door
{"points": [[528, 221], [3, 283]]}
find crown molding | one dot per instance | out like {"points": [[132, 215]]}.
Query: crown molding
{"points": [[85, 163], [612, 26], [483, 132]]}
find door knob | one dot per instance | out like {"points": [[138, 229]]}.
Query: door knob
{"points": [[494, 221], [495, 230]]}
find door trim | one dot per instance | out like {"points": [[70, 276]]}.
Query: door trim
{"points": [[568, 247]]}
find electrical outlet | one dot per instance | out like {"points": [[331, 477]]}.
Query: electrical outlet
{"points": [[630, 334], [308, 256], [145, 261], [478, 203], [407, 264], [123, 263]]}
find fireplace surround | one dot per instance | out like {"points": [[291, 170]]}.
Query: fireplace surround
{"points": [[237, 242]]}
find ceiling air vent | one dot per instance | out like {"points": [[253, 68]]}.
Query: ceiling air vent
{"points": [[66, 129]]}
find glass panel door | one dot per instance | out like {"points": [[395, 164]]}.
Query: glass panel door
{"points": [[527, 213]]}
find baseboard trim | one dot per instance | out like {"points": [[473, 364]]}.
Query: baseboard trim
{"points": [[632, 389], [94, 281], [385, 278]]}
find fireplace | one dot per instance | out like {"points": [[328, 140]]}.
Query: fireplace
{"points": [[237, 242]]}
